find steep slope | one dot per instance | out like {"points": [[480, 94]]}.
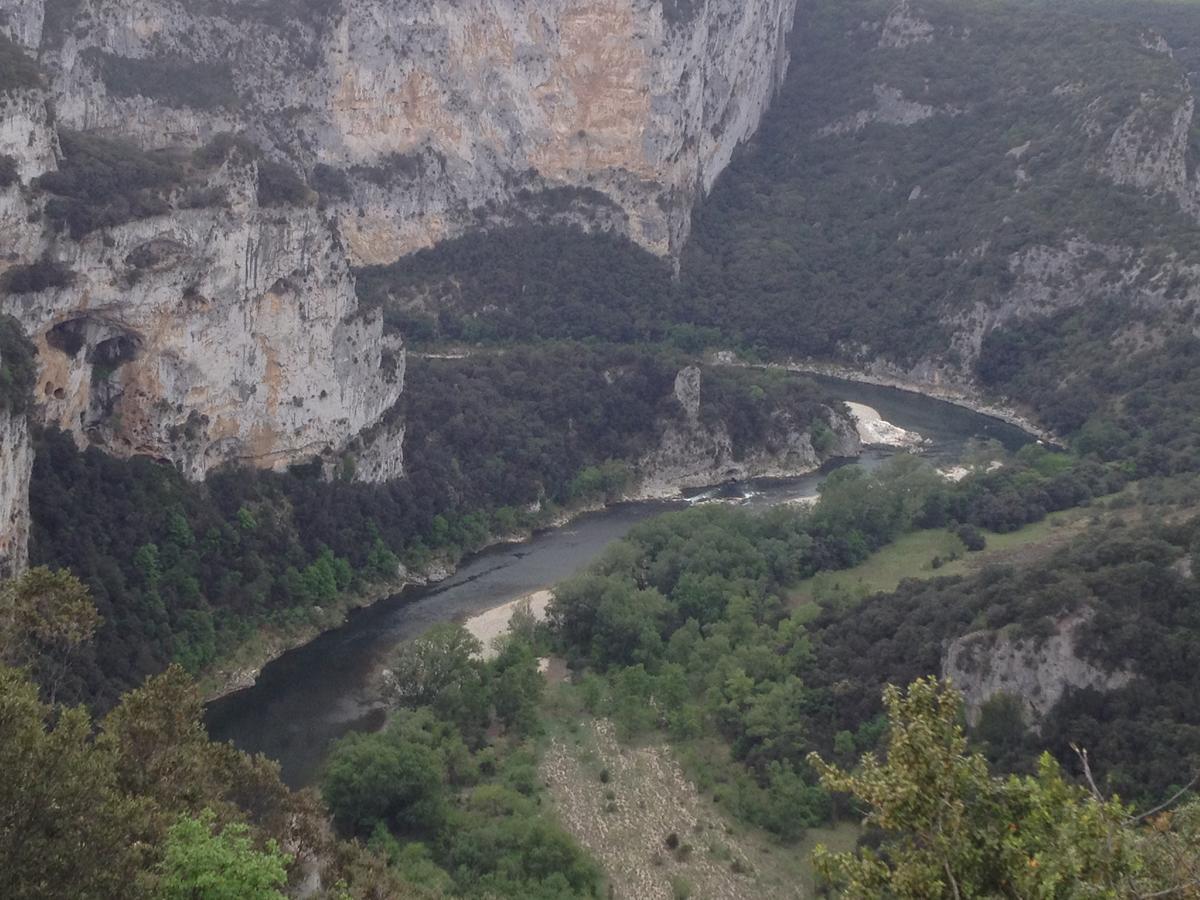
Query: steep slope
{"points": [[17, 369], [427, 116], [975, 195], [189, 291]]}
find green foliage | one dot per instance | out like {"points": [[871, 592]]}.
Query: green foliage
{"points": [[202, 864], [372, 779], [890, 266], [280, 185], [101, 183], [175, 81], [440, 669], [17, 69], [524, 283], [1140, 734], [42, 275], [65, 821], [45, 617], [950, 830], [18, 366], [687, 619], [143, 805], [448, 807]]}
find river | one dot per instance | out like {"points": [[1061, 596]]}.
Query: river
{"points": [[318, 692]]}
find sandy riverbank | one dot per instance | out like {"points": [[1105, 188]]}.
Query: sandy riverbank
{"points": [[492, 623], [875, 431]]}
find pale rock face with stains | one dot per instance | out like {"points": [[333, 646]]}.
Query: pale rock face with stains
{"points": [[16, 464], [695, 450], [446, 113], [1036, 671], [211, 335], [224, 334]]}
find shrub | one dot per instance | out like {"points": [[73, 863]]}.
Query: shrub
{"points": [[8, 171], [17, 70], [102, 183], [39, 276], [279, 185], [18, 365], [971, 537]]}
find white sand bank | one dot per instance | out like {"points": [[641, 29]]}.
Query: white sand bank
{"points": [[875, 431], [489, 625]]}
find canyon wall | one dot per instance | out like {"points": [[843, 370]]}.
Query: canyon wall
{"points": [[198, 321], [696, 450], [429, 117]]}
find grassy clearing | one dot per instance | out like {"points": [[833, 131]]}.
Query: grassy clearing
{"points": [[914, 555]]}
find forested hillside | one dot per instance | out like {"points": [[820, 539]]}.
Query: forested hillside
{"points": [[495, 445], [998, 198], [997, 201]]}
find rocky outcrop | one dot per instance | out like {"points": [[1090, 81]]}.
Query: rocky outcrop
{"points": [[695, 450], [16, 466], [891, 108], [1037, 671], [435, 114], [26, 133], [875, 431], [904, 27], [211, 335]]}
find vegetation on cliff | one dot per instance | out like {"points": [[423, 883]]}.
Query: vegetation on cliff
{"points": [[494, 445], [140, 803], [18, 366]]}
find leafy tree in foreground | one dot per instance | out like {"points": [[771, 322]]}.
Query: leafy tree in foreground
{"points": [[45, 617], [950, 830], [202, 864]]}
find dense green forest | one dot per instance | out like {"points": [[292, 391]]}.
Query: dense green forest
{"points": [[140, 803], [872, 242], [494, 445], [692, 615]]}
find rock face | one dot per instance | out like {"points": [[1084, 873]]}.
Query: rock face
{"points": [[437, 115], [219, 328], [696, 452], [16, 465], [210, 335], [1037, 672]]}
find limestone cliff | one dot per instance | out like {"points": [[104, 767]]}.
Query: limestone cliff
{"points": [[17, 367], [16, 464], [203, 335], [190, 317], [432, 115], [1035, 671], [696, 450]]}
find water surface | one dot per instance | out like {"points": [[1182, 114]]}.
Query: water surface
{"points": [[322, 690]]}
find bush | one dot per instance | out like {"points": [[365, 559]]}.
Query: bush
{"points": [[17, 69], [376, 778], [8, 171], [18, 366], [42, 275], [971, 537], [279, 185], [102, 183]]}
